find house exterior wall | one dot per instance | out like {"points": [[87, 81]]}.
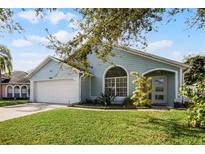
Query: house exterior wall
{"points": [[131, 63], [85, 88], [4, 89], [54, 70]]}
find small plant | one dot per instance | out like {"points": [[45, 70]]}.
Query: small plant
{"points": [[90, 102], [128, 102], [105, 99], [142, 90]]}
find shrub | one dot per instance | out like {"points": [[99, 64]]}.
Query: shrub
{"points": [[142, 90], [197, 115], [90, 101], [196, 96], [105, 99], [128, 102]]}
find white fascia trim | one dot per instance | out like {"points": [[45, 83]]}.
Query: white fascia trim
{"points": [[169, 70], [153, 57], [105, 71]]}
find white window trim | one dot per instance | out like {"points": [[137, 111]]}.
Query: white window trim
{"points": [[116, 82], [169, 70], [20, 88], [26, 90], [6, 90], [105, 71]]}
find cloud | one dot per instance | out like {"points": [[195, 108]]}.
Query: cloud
{"points": [[159, 45], [31, 55], [29, 16], [175, 55], [37, 38], [25, 65], [28, 60], [21, 43], [56, 16], [63, 35]]}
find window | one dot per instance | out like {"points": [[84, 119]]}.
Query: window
{"points": [[159, 97], [159, 89], [159, 81], [24, 92], [16, 92], [116, 82], [9, 92]]}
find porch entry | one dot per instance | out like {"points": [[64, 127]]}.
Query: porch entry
{"points": [[159, 86]]}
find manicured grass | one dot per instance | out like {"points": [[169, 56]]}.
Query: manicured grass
{"points": [[7, 102], [72, 126]]}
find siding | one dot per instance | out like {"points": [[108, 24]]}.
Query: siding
{"points": [[54, 70], [131, 63], [85, 88]]}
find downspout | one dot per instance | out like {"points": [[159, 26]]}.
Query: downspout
{"points": [[80, 77]]}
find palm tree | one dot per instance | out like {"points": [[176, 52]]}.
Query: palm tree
{"points": [[5, 63]]}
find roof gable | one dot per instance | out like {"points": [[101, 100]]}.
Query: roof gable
{"points": [[152, 56], [45, 62]]}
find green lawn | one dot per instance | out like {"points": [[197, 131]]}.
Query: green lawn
{"points": [[7, 102], [71, 126]]}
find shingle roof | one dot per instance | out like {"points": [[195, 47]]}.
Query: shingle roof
{"points": [[17, 77]]}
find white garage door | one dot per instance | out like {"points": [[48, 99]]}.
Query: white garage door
{"points": [[56, 91]]}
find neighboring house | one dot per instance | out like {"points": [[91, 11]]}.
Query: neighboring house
{"points": [[56, 82], [17, 85]]}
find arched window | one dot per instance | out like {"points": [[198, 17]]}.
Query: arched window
{"points": [[9, 91], [16, 92], [24, 92], [116, 82]]}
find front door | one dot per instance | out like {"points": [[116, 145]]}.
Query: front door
{"points": [[159, 85]]}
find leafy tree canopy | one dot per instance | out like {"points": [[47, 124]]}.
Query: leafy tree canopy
{"points": [[196, 71], [5, 61], [101, 29]]}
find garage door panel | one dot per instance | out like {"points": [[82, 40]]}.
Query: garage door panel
{"points": [[56, 91]]}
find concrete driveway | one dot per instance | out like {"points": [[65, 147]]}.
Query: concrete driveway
{"points": [[15, 111]]}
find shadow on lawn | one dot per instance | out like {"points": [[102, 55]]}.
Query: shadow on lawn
{"points": [[172, 128]]}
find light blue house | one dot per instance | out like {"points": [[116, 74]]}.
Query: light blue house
{"points": [[54, 82]]}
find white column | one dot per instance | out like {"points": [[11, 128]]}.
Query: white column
{"points": [[27, 94], [32, 90], [20, 91], [181, 77], [13, 91]]}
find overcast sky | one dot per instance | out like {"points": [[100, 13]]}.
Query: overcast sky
{"points": [[172, 40]]}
